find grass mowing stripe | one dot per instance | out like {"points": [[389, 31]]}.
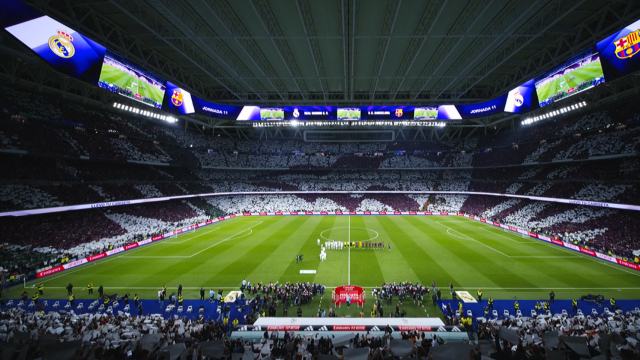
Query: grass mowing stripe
{"points": [[421, 251], [455, 268], [260, 248], [553, 247], [484, 261], [551, 272], [227, 239], [416, 258], [366, 263], [300, 240], [308, 247], [333, 271]]}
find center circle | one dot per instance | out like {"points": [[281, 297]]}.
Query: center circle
{"points": [[370, 232]]}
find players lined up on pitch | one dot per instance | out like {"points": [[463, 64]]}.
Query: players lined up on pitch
{"points": [[339, 245]]}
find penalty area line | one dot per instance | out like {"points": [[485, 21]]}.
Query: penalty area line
{"points": [[229, 238]]}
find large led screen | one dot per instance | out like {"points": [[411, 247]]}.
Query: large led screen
{"points": [[425, 113], [64, 48], [618, 51], [522, 99], [127, 79], [482, 109], [580, 73], [310, 112], [448, 112], [349, 113], [179, 100], [387, 112], [271, 113]]}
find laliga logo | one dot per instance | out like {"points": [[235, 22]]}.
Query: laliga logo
{"points": [[61, 45], [296, 113], [627, 46], [176, 98], [518, 99]]}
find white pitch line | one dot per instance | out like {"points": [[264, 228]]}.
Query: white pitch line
{"points": [[349, 251], [472, 239], [184, 241], [229, 238], [102, 261], [506, 237], [98, 262], [585, 256], [180, 256]]}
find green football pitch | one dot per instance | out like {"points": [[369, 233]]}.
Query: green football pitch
{"points": [[112, 75], [424, 114], [348, 114], [588, 72], [271, 114], [444, 249]]}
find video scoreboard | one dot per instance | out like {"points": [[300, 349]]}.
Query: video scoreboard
{"points": [[78, 56]]}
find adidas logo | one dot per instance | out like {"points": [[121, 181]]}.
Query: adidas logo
{"points": [[323, 328], [455, 329], [308, 328], [243, 328], [257, 328], [375, 328], [442, 329]]}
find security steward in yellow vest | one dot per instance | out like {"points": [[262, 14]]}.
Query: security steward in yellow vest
{"points": [[546, 306], [538, 307], [491, 304], [574, 305], [106, 301], [135, 299], [612, 301], [35, 297], [516, 306], [41, 289], [480, 295], [180, 298], [90, 288], [72, 300]]}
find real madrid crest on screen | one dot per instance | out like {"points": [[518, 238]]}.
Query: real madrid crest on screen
{"points": [[296, 113], [627, 46], [61, 44], [176, 98], [518, 100]]}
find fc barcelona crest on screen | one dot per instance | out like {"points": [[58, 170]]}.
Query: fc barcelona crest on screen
{"points": [[61, 45], [398, 112], [176, 98], [627, 46]]}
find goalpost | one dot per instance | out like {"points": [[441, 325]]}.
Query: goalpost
{"points": [[515, 233], [175, 235]]}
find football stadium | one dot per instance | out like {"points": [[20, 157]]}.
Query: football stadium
{"points": [[298, 179]]}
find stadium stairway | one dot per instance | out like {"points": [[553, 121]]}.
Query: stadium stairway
{"points": [[477, 309], [148, 307]]}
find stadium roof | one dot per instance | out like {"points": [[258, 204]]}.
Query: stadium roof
{"points": [[345, 51]]}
